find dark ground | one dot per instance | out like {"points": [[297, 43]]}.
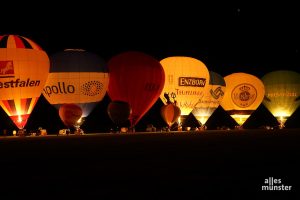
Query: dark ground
{"points": [[228, 164]]}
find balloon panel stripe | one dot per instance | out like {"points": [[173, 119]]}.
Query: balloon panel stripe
{"points": [[33, 44], [32, 104], [12, 107], [5, 107], [26, 44], [18, 42], [25, 103]]}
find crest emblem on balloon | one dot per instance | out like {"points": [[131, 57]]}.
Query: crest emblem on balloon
{"points": [[244, 93]]}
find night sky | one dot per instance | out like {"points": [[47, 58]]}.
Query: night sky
{"points": [[249, 38]]}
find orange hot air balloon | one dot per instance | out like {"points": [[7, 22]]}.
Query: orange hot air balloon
{"points": [[70, 114], [170, 113], [244, 93], [135, 78], [24, 68]]}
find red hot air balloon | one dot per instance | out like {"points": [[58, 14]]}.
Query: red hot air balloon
{"points": [[135, 78], [70, 114]]}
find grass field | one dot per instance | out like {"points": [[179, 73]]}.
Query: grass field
{"points": [[186, 165]]}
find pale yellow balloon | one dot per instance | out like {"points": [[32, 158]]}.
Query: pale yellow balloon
{"points": [[244, 93], [186, 79], [212, 98]]}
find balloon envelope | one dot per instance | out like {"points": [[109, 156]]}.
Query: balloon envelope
{"points": [[70, 114], [282, 93], [211, 99], [136, 78], [76, 76], [24, 68], [186, 79], [170, 113], [119, 111], [244, 93]]}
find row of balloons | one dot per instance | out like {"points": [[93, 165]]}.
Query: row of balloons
{"points": [[76, 80]]}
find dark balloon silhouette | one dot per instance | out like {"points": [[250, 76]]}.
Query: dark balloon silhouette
{"points": [[136, 78], [119, 112], [70, 114]]}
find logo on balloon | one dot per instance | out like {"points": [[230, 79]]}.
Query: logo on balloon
{"points": [[244, 95], [192, 81], [217, 93], [60, 88], [92, 88], [6, 69]]}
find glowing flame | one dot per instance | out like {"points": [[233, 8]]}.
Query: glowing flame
{"points": [[19, 119], [179, 120]]}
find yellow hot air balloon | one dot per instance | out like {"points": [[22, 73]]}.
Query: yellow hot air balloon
{"points": [[24, 68], [212, 98], [186, 79], [282, 94], [244, 93]]}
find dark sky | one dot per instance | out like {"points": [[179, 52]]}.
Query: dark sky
{"points": [[249, 38]]}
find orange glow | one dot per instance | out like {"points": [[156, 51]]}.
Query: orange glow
{"points": [[186, 80], [23, 70]]}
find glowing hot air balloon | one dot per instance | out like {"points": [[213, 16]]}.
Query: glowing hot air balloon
{"points": [[135, 78], [186, 79], [244, 93], [282, 94], [76, 77], [24, 68], [212, 98], [70, 114], [170, 112]]}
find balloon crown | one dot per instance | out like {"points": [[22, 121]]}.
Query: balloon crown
{"points": [[244, 88]]}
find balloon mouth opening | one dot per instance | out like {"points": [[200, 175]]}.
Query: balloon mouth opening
{"points": [[74, 50], [240, 119], [20, 120]]}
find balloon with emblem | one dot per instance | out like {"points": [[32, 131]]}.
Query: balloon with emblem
{"points": [[24, 68], [70, 114], [211, 99], [76, 77], [282, 96], [244, 93], [136, 78], [187, 79]]}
